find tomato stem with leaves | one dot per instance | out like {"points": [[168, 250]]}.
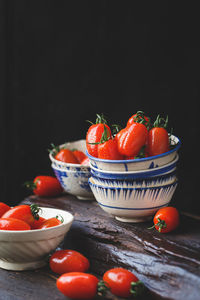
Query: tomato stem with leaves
{"points": [[35, 210]]}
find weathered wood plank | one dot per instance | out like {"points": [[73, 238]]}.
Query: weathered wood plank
{"points": [[168, 264]]}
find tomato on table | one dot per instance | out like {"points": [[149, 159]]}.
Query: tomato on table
{"points": [[51, 222], [13, 224], [95, 134], [45, 186], [78, 285], [166, 219], [3, 208], [158, 138], [26, 213], [122, 282], [64, 261]]}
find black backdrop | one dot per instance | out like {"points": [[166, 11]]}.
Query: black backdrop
{"points": [[64, 61]]}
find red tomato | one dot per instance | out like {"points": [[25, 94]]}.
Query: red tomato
{"points": [[166, 219], [66, 155], [64, 261], [109, 150], [26, 213], [13, 224], [94, 135], [51, 222], [122, 282], [85, 162], [80, 155], [45, 186], [37, 223], [78, 285], [139, 117], [3, 208], [131, 139]]}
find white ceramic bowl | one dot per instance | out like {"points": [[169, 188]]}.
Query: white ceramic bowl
{"points": [[74, 182], [29, 249], [137, 164], [133, 204], [79, 145], [133, 175]]}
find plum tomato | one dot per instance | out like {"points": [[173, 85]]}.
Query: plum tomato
{"points": [[67, 156], [45, 186], [166, 219], [13, 224], [80, 155], [64, 261], [26, 213], [37, 223], [139, 117], [78, 285], [51, 222], [131, 139], [3, 208], [109, 150], [122, 282], [85, 162], [158, 138], [95, 133]]}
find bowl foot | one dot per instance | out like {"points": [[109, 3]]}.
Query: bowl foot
{"points": [[17, 266], [134, 220]]}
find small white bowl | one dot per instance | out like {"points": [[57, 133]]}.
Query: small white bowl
{"points": [[79, 145], [133, 204], [74, 182], [29, 249], [137, 164]]}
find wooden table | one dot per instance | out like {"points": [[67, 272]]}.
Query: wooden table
{"points": [[168, 264]]}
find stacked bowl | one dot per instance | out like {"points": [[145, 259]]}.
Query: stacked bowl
{"points": [[133, 190], [73, 177]]}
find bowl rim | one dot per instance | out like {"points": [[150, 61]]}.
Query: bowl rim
{"points": [[132, 188], [174, 161], [135, 160], [33, 231]]}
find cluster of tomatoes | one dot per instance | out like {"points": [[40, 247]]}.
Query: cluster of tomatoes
{"points": [[140, 138], [70, 156], [25, 217], [75, 283]]}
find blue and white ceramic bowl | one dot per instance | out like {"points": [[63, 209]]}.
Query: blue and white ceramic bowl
{"points": [[132, 175], [132, 204], [137, 164], [75, 182], [79, 145]]}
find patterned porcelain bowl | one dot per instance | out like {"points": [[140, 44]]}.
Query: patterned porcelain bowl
{"points": [[27, 250], [133, 175], [137, 164], [133, 204], [74, 182], [79, 145]]}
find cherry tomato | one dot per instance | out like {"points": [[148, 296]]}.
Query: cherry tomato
{"points": [[45, 186], [166, 219], [3, 208], [51, 222], [80, 155], [66, 155], [109, 150], [158, 139], [13, 224], [37, 223], [26, 213], [139, 117], [78, 285], [131, 139], [122, 282], [95, 133], [64, 261]]}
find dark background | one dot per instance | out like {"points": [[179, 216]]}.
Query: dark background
{"points": [[61, 62]]}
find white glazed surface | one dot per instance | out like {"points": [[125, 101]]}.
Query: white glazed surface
{"points": [[25, 250], [133, 204], [136, 164]]}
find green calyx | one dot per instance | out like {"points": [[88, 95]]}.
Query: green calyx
{"points": [[100, 119], [102, 288], [161, 122], [30, 185], [141, 153], [60, 218], [137, 288], [54, 150], [140, 118], [160, 225], [35, 210]]}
